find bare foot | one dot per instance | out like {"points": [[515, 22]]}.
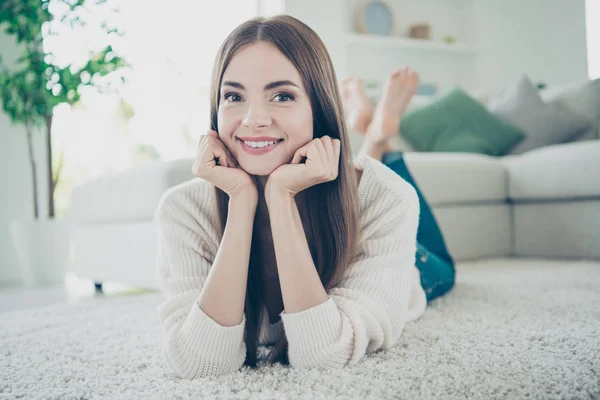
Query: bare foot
{"points": [[400, 87], [359, 108]]}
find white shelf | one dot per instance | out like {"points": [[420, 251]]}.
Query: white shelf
{"points": [[408, 43]]}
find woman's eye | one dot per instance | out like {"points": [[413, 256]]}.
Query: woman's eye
{"points": [[228, 97], [285, 96]]}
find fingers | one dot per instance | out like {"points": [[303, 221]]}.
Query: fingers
{"points": [[320, 145], [300, 153], [231, 161], [212, 149], [324, 153], [332, 148], [337, 146], [221, 156], [218, 149], [330, 152]]}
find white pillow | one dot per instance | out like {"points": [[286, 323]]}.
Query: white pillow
{"points": [[583, 99], [544, 124], [551, 92]]}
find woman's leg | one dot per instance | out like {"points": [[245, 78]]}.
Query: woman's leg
{"points": [[437, 275], [429, 233], [381, 123], [357, 106], [400, 87], [433, 259], [398, 90]]}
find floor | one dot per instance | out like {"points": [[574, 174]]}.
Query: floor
{"points": [[509, 329], [77, 288], [74, 289]]}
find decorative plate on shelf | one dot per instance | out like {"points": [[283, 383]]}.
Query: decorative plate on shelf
{"points": [[374, 17]]}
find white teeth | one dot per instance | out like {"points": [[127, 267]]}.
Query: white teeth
{"points": [[260, 144]]}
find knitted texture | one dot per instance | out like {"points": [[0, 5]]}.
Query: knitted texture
{"points": [[365, 312]]}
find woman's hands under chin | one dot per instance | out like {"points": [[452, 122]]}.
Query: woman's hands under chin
{"points": [[321, 165]]}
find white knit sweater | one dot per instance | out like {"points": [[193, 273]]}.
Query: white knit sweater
{"points": [[365, 312]]}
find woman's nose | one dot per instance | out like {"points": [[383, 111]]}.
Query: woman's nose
{"points": [[256, 117]]}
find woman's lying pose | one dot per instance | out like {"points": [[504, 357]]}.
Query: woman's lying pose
{"points": [[379, 125], [283, 239]]}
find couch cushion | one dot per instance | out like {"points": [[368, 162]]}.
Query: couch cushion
{"points": [[564, 171], [452, 178], [457, 122], [130, 195], [583, 99], [544, 124]]}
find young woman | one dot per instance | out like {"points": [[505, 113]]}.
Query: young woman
{"points": [[283, 239]]}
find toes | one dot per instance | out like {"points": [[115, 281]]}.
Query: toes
{"points": [[406, 75], [353, 82], [414, 77], [402, 72]]}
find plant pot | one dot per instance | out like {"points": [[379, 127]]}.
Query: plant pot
{"points": [[42, 249]]}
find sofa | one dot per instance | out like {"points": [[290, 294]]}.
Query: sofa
{"points": [[542, 203]]}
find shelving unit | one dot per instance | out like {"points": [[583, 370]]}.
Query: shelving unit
{"points": [[399, 42], [445, 65], [442, 64]]}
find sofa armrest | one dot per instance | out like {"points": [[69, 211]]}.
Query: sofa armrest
{"points": [[130, 195]]}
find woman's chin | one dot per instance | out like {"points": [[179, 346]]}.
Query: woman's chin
{"points": [[258, 170]]}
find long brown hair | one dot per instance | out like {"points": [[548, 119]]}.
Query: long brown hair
{"points": [[329, 211]]}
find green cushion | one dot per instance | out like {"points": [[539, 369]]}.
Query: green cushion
{"points": [[456, 122], [462, 141]]}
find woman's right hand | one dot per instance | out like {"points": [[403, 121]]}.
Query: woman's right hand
{"points": [[226, 174]]}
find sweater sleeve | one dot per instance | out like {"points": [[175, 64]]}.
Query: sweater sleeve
{"points": [[368, 308], [194, 345]]}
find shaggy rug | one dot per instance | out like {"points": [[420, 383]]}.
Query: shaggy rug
{"points": [[509, 329]]}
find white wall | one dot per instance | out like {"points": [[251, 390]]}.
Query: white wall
{"points": [[544, 38], [15, 179], [328, 24]]}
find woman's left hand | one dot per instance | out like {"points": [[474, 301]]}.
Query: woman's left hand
{"points": [[321, 165]]}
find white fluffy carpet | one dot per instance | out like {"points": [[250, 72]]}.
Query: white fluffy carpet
{"points": [[509, 329]]}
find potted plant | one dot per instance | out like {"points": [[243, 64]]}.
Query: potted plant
{"points": [[29, 91]]}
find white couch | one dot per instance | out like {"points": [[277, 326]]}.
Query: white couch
{"points": [[543, 203]]}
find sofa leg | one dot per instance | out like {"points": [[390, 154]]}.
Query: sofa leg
{"points": [[98, 286]]}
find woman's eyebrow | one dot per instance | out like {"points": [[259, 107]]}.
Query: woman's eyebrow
{"points": [[275, 84], [268, 86]]}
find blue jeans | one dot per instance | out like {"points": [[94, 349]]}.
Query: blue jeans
{"points": [[433, 260]]}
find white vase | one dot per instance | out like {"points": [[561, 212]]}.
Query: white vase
{"points": [[42, 250]]}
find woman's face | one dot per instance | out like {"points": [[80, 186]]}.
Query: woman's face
{"points": [[262, 98]]}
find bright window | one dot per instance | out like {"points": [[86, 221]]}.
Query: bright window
{"points": [[164, 107], [592, 16]]}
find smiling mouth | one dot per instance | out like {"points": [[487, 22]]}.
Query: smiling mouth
{"points": [[262, 148], [260, 144]]}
